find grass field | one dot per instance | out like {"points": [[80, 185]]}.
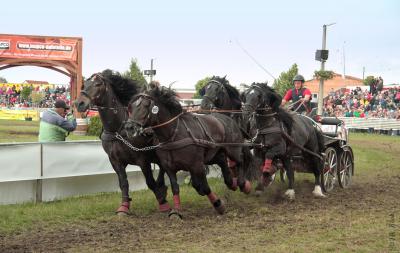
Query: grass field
{"points": [[27, 131], [363, 218]]}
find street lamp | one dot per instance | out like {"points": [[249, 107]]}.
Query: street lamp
{"points": [[321, 81]]}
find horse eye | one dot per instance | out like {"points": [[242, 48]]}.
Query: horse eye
{"points": [[97, 84]]}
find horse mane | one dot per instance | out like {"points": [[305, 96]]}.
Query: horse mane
{"points": [[233, 93], [123, 87], [166, 97], [283, 114]]}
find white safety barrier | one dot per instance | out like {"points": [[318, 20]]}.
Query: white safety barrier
{"points": [[371, 123], [49, 171]]}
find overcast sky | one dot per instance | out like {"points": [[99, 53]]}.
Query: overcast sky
{"points": [[190, 40]]}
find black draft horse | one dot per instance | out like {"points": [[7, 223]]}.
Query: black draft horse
{"points": [[111, 93], [222, 97], [188, 141], [290, 137], [219, 94]]}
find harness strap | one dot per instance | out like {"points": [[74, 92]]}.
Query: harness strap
{"points": [[204, 128], [270, 130], [300, 147]]}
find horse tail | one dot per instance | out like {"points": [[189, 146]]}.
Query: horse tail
{"points": [[249, 165]]}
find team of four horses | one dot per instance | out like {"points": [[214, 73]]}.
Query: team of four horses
{"points": [[144, 125]]}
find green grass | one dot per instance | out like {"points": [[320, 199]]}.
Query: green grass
{"points": [[12, 131]]}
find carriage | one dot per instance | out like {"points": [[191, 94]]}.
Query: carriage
{"points": [[338, 155]]}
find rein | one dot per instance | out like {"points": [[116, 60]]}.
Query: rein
{"points": [[164, 123]]}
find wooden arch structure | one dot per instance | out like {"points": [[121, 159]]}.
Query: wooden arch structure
{"points": [[61, 54]]}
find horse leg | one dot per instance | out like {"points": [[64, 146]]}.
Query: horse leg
{"points": [[175, 192], [317, 168], [123, 185], [199, 182], [268, 170], [244, 184], [260, 182], [160, 191], [229, 179], [290, 194], [235, 163]]}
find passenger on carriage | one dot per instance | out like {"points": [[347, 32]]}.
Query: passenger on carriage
{"points": [[299, 95]]}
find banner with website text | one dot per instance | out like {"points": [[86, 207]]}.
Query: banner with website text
{"points": [[38, 47]]}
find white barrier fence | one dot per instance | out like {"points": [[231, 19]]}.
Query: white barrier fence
{"points": [[371, 123], [49, 171]]}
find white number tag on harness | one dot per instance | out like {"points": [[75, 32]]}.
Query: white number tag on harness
{"points": [[138, 102], [154, 110]]}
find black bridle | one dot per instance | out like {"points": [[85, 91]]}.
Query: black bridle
{"points": [[142, 125], [219, 90], [103, 81]]}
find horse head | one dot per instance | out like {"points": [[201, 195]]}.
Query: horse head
{"points": [[92, 93], [260, 96], [149, 108], [218, 93], [214, 93]]}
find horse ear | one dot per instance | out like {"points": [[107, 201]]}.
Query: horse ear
{"points": [[276, 101]]}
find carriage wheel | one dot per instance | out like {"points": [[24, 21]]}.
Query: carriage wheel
{"points": [[329, 171], [346, 167]]}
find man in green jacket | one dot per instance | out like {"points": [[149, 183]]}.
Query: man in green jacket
{"points": [[56, 123]]}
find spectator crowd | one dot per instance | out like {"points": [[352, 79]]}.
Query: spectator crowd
{"points": [[10, 96], [376, 102]]}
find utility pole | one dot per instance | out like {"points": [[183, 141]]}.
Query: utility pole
{"points": [[363, 72], [344, 62], [321, 81]]}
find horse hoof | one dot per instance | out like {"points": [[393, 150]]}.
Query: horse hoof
{"points": [[317, 192], [124, 208], [122, 214], [247, 187], [164, 207], [268, 180], [174, 214], [319, 195], [258, 193], [290, 194], [220, 208]]}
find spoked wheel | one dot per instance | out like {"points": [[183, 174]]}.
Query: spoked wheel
{"points": [[346, 167], [329, 171]]}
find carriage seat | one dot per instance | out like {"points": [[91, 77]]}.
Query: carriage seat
{"points": [[331, 121], [331, 134]]}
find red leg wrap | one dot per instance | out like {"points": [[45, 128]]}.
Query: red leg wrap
{"points": [[212, 197], [177, 202], [268, 166], [124, 208]]}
